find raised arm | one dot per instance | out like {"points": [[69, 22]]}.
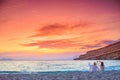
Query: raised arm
{"points": [[98, 63]]}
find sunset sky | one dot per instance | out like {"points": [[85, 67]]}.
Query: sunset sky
{"points": [[56, 29]]}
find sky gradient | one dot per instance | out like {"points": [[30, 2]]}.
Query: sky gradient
{"points": [[56, 29]]}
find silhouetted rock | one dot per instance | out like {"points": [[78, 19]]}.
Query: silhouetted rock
{"points": [[110, 52]]}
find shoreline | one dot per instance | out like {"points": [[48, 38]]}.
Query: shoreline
{"points": [[50, 72], [65, 75], [47, 72]]}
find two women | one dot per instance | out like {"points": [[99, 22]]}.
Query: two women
{"points": [[94, 67]]}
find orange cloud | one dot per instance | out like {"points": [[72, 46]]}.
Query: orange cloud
{"points": [[65, 43], [55, 29], [58, 29], [70, 43], [84, 29]]}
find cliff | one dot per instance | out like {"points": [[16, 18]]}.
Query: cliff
{"points": [[110, 52]]}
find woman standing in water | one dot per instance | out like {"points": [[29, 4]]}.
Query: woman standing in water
{"points": [[102, 66], [93, 67]]}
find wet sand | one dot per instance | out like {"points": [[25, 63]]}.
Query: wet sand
{"points": [[106, 75]]}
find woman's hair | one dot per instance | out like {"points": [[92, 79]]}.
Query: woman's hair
{"points": [[102, 63], [95, 64]]}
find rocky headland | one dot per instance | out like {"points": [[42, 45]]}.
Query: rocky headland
{"points": [[110, 52]]}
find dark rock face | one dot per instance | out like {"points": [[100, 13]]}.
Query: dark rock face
{"points": [[110, 52]]}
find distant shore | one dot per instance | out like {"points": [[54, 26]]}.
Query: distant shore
{"points": [[76, 75]]}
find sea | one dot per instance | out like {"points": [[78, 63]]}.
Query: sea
{"points": [[25, 67]]}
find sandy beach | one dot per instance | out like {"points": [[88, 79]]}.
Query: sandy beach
{"points": [[107, 75]]}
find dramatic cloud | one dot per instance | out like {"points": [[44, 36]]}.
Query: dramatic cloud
{"points": [[65, 43], [59, 29], [82, 31], [55, 29], [68, 43]]}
